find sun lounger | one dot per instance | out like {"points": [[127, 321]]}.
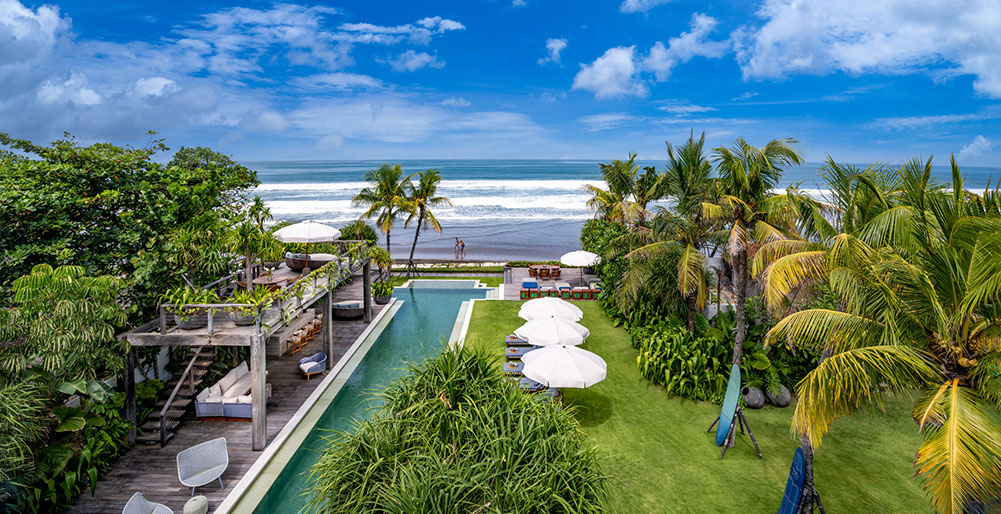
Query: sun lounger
{"points": [[527, 384], [529, 288], [513, 340], [514, 367], [565, 290], [517, 352]]}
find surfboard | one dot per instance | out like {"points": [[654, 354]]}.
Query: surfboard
{"points": [[729, 405], [794, 485]]}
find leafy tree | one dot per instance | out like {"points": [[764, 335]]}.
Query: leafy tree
{"points": [[108, 209], [358, 230], [918, 284], [628, 194], [385, 197], [747, 209], [423, 196]]}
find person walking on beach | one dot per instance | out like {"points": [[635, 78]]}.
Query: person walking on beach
{"points": [[456, 248], [462, 249]]}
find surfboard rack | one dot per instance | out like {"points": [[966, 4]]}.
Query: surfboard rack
{"points": [[730, 436]]}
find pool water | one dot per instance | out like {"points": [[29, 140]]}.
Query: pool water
{"points": [[418, 330]]}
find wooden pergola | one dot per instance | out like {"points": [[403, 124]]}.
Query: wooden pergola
{"points": [[319, 285]]}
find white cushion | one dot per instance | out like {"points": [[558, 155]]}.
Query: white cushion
{"points": [[306, 366], [212, 399], [231, 399], [243, 399], [242, 369], [203, 395], [227, 380], [215, 390], [240, 387], [348, 305]]}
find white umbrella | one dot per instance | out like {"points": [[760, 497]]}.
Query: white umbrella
{"points": [[580, 259], [307, 232], [552, 331], [564, 366], [549, 307]]}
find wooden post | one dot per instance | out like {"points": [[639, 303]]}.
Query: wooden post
{"points": [[130, 393], [328, 329], [258, 391], [366, 272]]}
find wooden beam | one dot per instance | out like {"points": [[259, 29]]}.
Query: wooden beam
{"points": [[366, 274], [258, 392], [130, 394]]}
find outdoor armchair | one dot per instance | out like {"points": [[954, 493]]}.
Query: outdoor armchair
{"points": [[139, 505], [203, 463], [313, 365]]}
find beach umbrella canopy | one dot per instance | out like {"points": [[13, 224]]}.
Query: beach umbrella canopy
{"points": [[307, 232], [564, 366], [549, 307], [581, 259], [552, 331]]}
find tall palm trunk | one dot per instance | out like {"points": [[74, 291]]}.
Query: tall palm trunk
{"points": [[387, 242], [690, 300], [417, 233], [740, 286]]}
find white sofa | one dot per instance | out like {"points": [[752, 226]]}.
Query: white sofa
{"points": [[229, 397]]}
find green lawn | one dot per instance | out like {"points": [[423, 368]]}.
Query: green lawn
{"points": [[489, 281], [660, 458]]}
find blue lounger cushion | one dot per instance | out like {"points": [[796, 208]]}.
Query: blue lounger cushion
{"points": [[528, 384], [517, 352], [514, 367], [513, 340]]}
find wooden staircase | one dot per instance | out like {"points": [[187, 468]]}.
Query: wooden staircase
{"points": [[159, 427]]}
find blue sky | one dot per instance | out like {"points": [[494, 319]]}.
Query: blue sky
{"points": [[858, 79]]}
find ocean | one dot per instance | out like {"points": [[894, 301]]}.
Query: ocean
{"points": [[503, 209]]}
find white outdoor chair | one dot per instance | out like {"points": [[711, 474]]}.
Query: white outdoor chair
{"points": [[203, 463], [139, 505]]}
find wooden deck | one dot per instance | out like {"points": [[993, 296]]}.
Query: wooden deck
{"points": [[152, 470], [512, 281]]}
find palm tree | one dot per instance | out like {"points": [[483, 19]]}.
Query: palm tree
{"points": [[747, 208], [918, 288], [628, 194], [686, 183], [422, 197], [386, 196]]}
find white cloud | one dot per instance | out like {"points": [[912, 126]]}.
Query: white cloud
{"points": [[553, 46], [889, 36], [611, 74], [912, 122], [418, 34], [518, 3], [979, 145], [676, 107], [606, 121], [27, 36], [631, 6], [746, 96], [617, 72], [73, 90], [456, 101], [413, 61], [155, 86], [440, 25], [337, 80]]}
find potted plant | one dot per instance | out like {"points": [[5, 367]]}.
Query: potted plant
{"points": [[257, 299], [382, 290], [189, 318]]}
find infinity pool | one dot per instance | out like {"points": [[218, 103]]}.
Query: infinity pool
{"points": [[418, 330]]}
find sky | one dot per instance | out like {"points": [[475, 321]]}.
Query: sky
{"points": [[859, 80]]}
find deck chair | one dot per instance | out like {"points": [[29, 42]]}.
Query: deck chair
{"points": [[729, 412], [139, 505], [203, 463]]}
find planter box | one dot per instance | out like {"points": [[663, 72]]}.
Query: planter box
{"points": [[193, 321]]}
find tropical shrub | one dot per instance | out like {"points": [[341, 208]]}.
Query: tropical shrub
{"points": [[358, 230], [381, 288], [453, 436], [694, 368]]}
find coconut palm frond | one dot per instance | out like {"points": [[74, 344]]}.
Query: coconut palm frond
{"points": [[849, 380], [692, 276], [958, 460], [770, 252], [826, 329], [767, 233], [737, 238], [790, 272], [891, 227]]}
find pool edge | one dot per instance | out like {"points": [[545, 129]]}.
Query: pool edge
{"points": [[255, 483]]}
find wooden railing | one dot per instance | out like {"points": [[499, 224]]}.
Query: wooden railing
{"points": [[173, 394]]}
